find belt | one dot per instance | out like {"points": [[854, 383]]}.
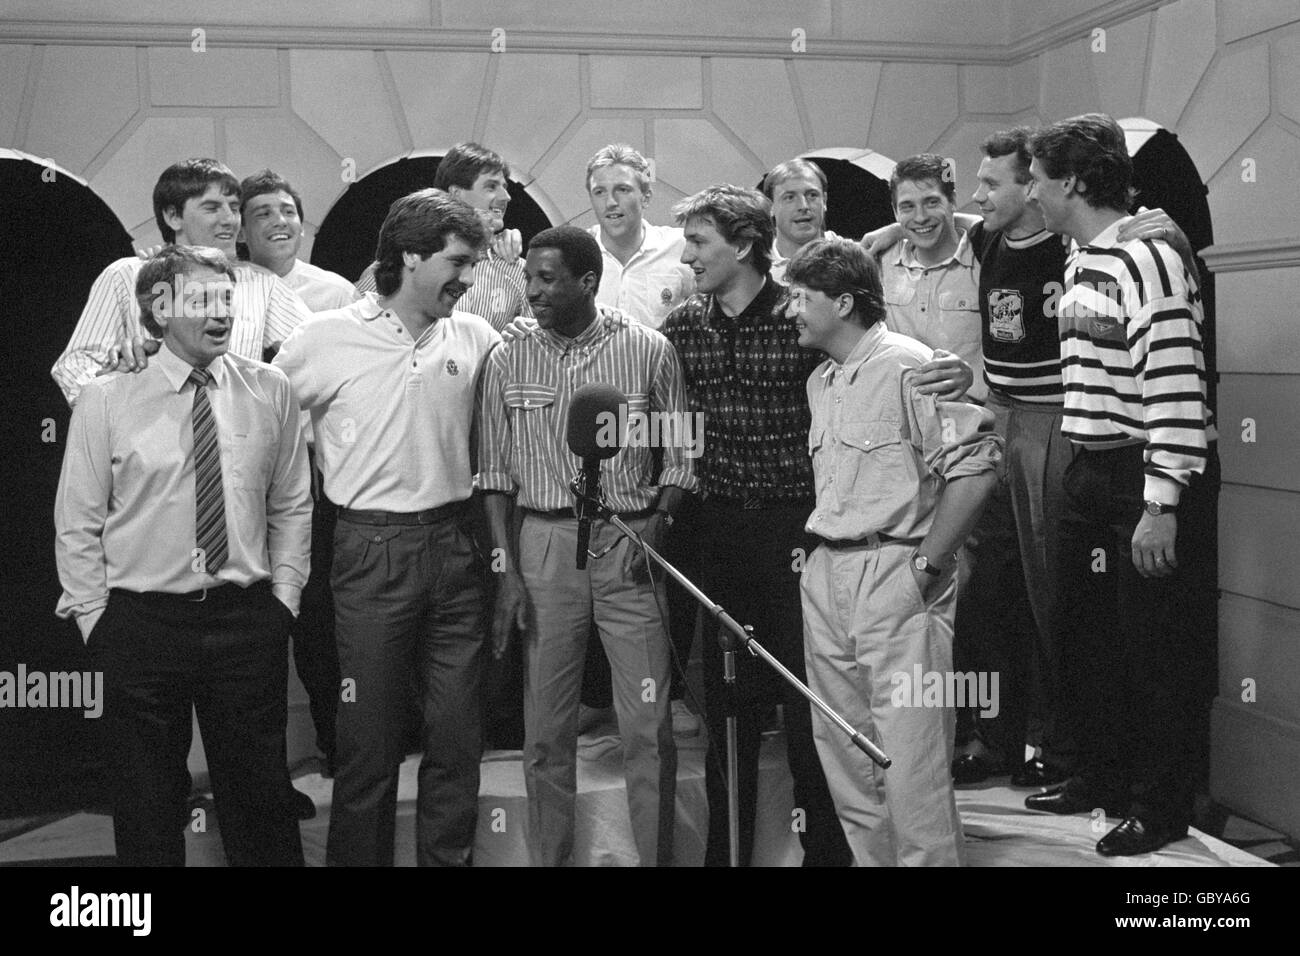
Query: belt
{"points": [[218, 593], [569, 513], [870, 541], [431, 516]]}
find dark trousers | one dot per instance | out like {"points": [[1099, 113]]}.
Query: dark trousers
{"points": [[227, 658], [315, 653], [751, 561], [408, 599], [1137, 652]]}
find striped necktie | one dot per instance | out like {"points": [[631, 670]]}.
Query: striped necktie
{"points": [[209, 502]]}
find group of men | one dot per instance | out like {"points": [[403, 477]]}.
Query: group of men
{"points": [[852, 422]]}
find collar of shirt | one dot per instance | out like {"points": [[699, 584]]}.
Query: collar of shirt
{"points": [[780, 260], [653, 238], [1108, 238], [596, 332], [963, 255], [866, 346], [369, 309], [759, 308], [177, 370]]}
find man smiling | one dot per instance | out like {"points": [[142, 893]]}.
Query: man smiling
{"points": [[527, 391], [390, 384], [196, 203]]}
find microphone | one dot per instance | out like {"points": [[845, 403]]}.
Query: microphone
{"points": [[592, 409]]}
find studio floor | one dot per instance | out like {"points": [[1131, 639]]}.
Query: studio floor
{"points": [[998, 830]]}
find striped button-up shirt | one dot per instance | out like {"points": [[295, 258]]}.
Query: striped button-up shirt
{"points": [[528, 386], [1132, 359], [498, 293], [265, 311]]}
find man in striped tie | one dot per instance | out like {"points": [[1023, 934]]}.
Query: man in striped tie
{"points": [[1137, 540], [183, 525]]}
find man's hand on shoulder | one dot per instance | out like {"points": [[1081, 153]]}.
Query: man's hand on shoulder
{"points": [[946, 376], [129, 355], [520, 327], [508, 244]]}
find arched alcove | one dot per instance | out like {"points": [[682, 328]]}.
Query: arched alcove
{"points": [[57, 236], [345, 242]]}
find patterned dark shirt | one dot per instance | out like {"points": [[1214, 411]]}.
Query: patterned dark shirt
{"points": [[749, 376]]}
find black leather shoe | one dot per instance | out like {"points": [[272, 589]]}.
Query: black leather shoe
{"points": [[973, 768], [1136, 835], [1070, 797], [1035, 773], [303, 808]]}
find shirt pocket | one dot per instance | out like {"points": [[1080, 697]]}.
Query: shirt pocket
{"points": [[900, 293], [527, 398], [959, 323], [871, 460], [250, 458]]}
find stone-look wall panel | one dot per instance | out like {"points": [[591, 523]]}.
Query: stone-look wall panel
{"points": [[1270, 204], [13, 82], [916, 103], [1243, 18], [694, 154], [1272, 403], [1068, 86], [1258, 528], [315, 170], [1183, 47], [218, 76], [1232, 101], [838, 97], [1118, 72], [1249, 652], [534, 99], [754, 99], [646, 82], [1286, 70], [126, 180], [439, 93], [84, 96], [341, 94], [1257, 318]]}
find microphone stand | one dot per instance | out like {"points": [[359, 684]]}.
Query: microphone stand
{"points": [[731, 635]]}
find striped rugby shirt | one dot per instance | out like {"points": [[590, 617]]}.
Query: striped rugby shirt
{"points": [[265, 311], [499, 292], [1132, 360], [524, 411]]}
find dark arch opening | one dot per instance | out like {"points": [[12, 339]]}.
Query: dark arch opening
{"points": [[57, 236], [345, 242]]}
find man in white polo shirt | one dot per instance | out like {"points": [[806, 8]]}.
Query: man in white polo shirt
{"points": [[390, 384]]}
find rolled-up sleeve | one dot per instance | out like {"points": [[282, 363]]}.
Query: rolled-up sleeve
{"points": [[669, 396], [956, 439]]}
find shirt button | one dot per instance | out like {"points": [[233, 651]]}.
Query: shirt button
{"points": [[377, 538]]}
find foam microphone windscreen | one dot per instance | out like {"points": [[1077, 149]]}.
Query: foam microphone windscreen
{"points": [[593, 408]]}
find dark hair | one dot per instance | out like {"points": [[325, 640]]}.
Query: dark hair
{"points": [[925, 167], [170, 262], [465, 163], [835, 267], [577, 247], [422, 223], [1091, 148], [1011, 142], [789, 170], [181, 182], [265, 181], [739, 215]]}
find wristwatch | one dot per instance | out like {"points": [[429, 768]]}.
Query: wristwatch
{"points": [[667, 516], [922, 564], [1157, 508]]}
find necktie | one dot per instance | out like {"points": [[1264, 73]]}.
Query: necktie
{"points": [[209, 502]]}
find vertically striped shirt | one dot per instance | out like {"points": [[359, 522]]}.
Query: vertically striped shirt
{"points": [[499, 292], [524, 411], [265, 311], [1132, 360]]}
